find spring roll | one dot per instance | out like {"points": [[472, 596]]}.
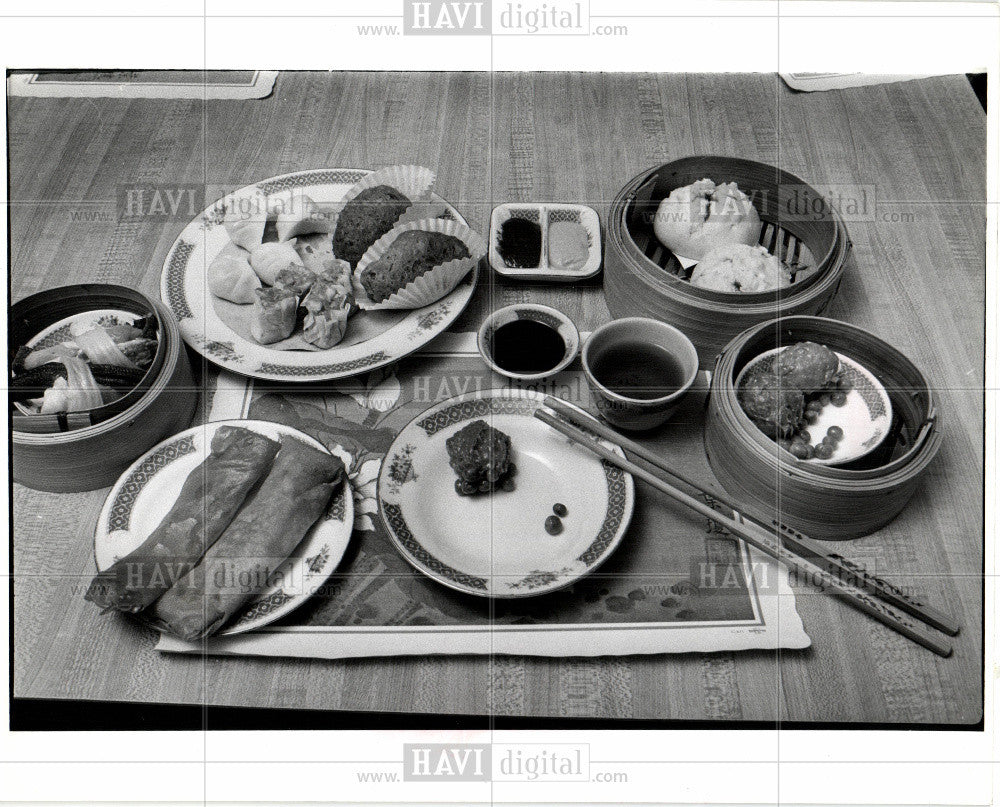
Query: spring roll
{"points": [[209, 499], [261, 537]]}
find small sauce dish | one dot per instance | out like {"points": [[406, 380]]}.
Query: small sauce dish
{"points": [[528, 342]]}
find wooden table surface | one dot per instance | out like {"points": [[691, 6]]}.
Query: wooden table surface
{"points": [[916, 278]]}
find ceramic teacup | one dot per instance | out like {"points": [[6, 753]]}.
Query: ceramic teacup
{"points": [[639, 413], [551, 317]]}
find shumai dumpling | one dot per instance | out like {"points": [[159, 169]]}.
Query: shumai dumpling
{"points": [[338, 273], [297, 278], [273, 315], [324, 327], [270, 258], [231, 277], [328, 305]]}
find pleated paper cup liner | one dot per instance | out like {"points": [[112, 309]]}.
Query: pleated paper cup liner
{"points": [[415, 182], [433, 284]]}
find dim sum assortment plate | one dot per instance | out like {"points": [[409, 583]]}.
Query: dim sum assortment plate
{"points": [[497, 544], [215, 328], [142, 496]]}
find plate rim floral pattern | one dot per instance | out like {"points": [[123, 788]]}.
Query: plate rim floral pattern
{"points": [[186, 294], [316, 558], [620, 491]]}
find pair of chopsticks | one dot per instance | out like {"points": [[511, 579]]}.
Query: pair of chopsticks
{"points": [[879, 599]]}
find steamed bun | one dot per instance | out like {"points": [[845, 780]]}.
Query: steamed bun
{"points": [[740, 268], [694, 219]]}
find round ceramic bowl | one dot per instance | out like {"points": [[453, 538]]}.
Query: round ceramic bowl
{"points": [[639, 414], [864, 419], [543, 314], [75, 451]]}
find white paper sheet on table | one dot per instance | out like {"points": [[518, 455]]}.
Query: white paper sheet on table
{"points": [[775, 623], [818, 82], [233, 85]]}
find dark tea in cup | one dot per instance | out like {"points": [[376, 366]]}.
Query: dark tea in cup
{"points": [[641, 370], [638, 370]]}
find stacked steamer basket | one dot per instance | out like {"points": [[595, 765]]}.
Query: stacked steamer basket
{"points": [[641, 276], [76, 451], [830, 502]]}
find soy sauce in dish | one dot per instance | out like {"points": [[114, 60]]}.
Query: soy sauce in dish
{"points": [[526, 346], [638, 370], [520, 243]]}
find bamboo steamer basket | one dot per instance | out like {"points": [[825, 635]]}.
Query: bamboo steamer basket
{"points": [[89, 450], [828, 502], [798, 225]]}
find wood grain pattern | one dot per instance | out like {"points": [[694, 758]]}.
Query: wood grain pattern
{"points": [[916, 279]]}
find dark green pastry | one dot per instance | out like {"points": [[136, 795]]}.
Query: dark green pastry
{"points": [[413, 253], [365, 219]]}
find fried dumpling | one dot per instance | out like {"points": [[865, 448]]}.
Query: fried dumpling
{"points": [[365, 219], [413, 253]]}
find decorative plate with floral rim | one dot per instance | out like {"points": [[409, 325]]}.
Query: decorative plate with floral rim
{"points": [[144, 494], [373, 339], [496, 544]]}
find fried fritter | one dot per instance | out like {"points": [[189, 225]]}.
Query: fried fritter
{"points": [[807, 366], [773, 405], [480, 455]]}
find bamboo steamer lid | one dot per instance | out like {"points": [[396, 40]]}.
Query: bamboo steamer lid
{"points": [[830, 502], [799, 226], [89, 450]]}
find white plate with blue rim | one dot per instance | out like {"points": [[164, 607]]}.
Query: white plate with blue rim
{"points": [[496, 544], [211, 326]]}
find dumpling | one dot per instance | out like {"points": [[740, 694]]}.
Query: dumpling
{"points": [[273, 315], [270, 258], [245, 220], [297, 278], [231, 277], [328, 305], [339, 273], [294, 214], [325, 327]]}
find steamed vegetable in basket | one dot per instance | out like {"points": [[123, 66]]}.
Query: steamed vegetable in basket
{"points": [[97, 365]]}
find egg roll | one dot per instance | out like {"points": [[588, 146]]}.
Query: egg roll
{"points": [[264, 533], [209, 498]]}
